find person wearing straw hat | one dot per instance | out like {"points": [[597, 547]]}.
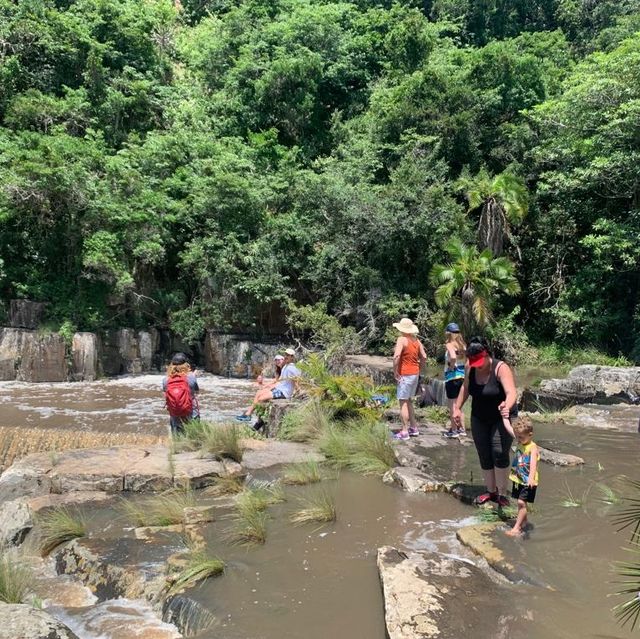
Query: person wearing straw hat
{"points": [[408, 357]]}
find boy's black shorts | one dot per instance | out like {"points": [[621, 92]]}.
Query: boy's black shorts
{"points": [[524, 492]]}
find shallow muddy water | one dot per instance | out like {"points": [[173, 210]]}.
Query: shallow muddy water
{"points": [[316, 582]]}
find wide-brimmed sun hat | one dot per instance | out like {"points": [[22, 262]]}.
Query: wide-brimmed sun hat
{"points": [[405, 325]]}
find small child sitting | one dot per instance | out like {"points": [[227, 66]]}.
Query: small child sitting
{"points": [[524, 472]]}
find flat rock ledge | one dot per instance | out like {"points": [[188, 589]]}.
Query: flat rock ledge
{"points": [[20, 621], [110, 470], [429, 595]]}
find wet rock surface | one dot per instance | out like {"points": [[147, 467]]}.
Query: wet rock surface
{"points": [[109, 470], [585, 384], [263, 454], [487, 540], [559, 459], [19, 621], [132, 568], [428, 595]]}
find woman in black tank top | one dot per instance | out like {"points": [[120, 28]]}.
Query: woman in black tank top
{"points": [[492, 388]]}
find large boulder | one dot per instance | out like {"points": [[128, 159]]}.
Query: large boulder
{"points": [[19, 621], [43, 358], [585, 384]]}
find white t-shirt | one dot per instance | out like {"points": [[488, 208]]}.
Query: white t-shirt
{"points": [[286, 384]]}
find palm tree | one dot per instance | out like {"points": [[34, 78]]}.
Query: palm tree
{"points": [[469, 283], [503, 202]]}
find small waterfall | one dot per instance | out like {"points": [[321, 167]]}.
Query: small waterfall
{"points": [[17, 442]]}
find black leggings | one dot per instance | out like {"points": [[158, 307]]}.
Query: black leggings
{"points": [[493, 443]]}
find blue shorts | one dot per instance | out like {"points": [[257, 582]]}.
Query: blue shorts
{"points": [[277, 394]]}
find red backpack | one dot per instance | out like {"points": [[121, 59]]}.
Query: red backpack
{"points": [[178, 396]]}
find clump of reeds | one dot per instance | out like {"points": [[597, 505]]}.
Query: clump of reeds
{"points": [[570, 500], [224, 486], [15, 578], [305, 423], [607, 495], [165, 509], [319, 508], [59, 525], [260, 494], [221, 440], [249, 525], [303, 473], [360, 445], [201, 565]]}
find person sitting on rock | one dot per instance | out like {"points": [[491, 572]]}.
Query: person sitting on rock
{"points": [[278, 363], [284, 388], [180, 387]]}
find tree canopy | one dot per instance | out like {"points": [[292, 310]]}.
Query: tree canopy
{"points": [[206, 163]]}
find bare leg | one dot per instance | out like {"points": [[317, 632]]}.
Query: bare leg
{"points": [[263, 395], [405, 414], [521, 520], [502, 479], [412, 415], [452, 425], [490, 480]]}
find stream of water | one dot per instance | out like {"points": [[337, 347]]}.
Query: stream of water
{"points": [[322, 582]]}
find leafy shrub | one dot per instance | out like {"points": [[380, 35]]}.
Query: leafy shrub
{"points": [[323, 331]]}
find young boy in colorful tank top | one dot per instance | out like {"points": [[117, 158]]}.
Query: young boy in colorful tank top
{"points": [[524, 473]]}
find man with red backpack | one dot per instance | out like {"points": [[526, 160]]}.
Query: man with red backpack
{"points": [[180, 387]]}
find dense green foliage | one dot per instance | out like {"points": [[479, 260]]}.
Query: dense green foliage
{"points": [[209, 163]]}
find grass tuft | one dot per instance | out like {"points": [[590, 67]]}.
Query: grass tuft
{"points": [[319, 508], [200, 566], [249, 526], [258, 495], [165, 509], [15, 578], [573, 501], [221, 440], [58, 526], [607, 495], [360, 446], [304, 473], [224, 486], [305, 423]]}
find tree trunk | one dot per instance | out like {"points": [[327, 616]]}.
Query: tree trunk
{"points": [[491, 227]]}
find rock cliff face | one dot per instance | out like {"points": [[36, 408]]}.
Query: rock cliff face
{"points": [[20, 621], [25, 314], [234, 356], [32, 356]]}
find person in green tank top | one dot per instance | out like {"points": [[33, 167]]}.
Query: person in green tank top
{"points": [[524, 473]]}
